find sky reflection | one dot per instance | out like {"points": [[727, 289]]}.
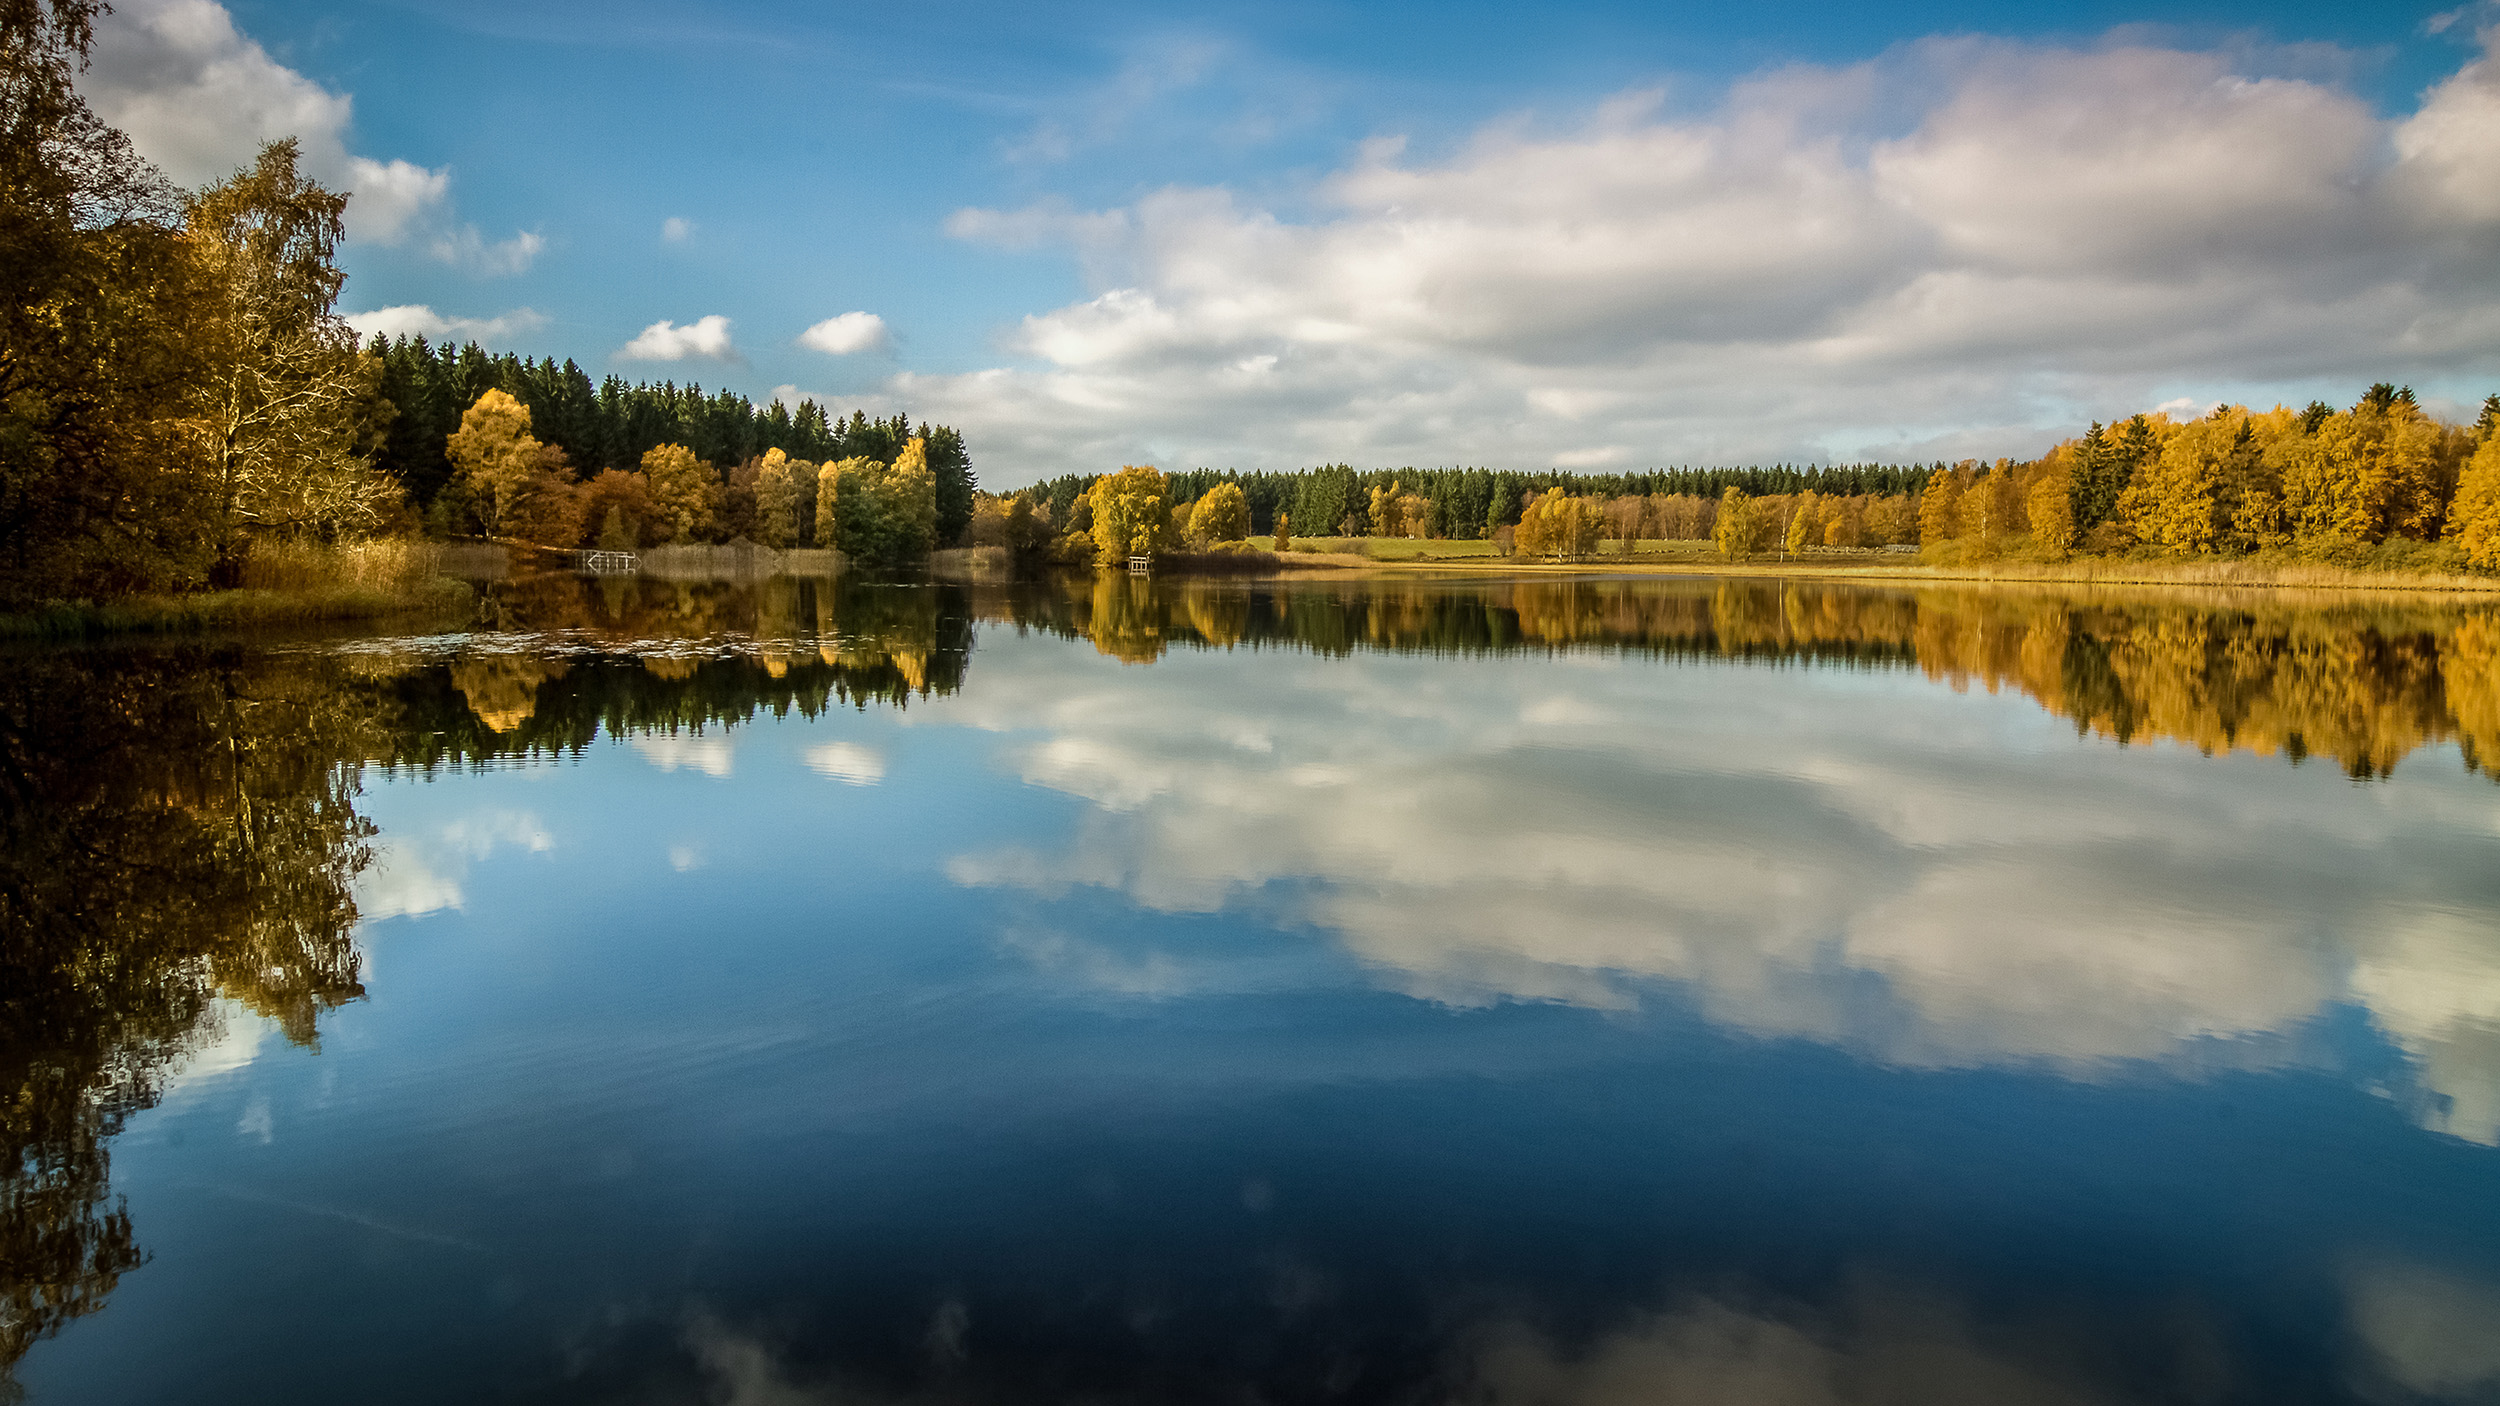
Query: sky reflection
{"points": [[884, 1014]]}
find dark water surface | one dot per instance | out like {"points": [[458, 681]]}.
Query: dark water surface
{"points": [[1576, 993]]}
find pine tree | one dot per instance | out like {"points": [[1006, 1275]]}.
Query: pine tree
{"points": [[952, 468]]}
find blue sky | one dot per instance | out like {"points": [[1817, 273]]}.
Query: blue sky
{"points": [[1275, 235]]}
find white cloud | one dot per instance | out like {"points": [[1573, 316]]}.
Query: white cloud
{"points": [[419, 320], [666, 341], [198, 97], [230, 1039], [1964, 243], [405, 881], [848, 333], [711, 755], [465, 248], [676, 229], [422, 872], [391, 197], [848, 762]]}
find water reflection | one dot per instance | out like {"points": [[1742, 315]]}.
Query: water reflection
{"points": [[174, 827], [2361, 681], [1571, 832], [1614, 991]]}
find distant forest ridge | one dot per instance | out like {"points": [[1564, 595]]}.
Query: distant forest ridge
{"points": [[613, 424], [610, 425]]}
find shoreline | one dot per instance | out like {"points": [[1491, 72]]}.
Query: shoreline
{"points": [[2236, 575], [239, 609]]}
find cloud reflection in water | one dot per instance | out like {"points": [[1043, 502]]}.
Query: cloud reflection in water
{"points": [[1923, 879]]}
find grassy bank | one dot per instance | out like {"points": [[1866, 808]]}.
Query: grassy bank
{"points": [[2393, 566], [283, 584]]}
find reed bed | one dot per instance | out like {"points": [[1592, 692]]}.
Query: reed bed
{"points": [[280, 584]]}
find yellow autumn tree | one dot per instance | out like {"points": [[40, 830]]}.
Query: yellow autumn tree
{"points": [[2183, 499], [1940, 508], [1732, 531], [1555, 525], [2366, 474], [776, 502], [282, 406], [2050, 505], [1844, 523], [1992, 507], [1384, 513], [1223, 515], [1132, 513], [870, 511], [493, 452], [1805, 521], [683, 492], [2475, 518]]}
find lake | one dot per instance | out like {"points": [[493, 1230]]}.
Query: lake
{"points": [[1557, 992]]}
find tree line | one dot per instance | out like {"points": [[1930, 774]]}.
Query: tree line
{"points": [[176, 385], [2359, 484], [1336, 500], [614, 427]]}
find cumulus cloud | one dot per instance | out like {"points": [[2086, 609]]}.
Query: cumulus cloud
{"points": [[848, 333], [420, 320], [1963, 243], [676, 229], [666, 341], [199, 98]]}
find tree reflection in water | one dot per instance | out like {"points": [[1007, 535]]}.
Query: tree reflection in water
{"points": [[174, 825], [179, 825], [2362, 682]]}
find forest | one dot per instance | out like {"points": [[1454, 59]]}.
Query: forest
{"points": [[180, 398], [2356, 486], [179, 392], [578, 450]]}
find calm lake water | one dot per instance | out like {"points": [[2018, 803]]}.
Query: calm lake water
{"points": [[1557, 993]]}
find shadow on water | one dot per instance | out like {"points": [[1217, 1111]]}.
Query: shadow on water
{"points": [[181, 825]]}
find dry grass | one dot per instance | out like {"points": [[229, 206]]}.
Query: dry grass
{"points": [[381, 564], [245, 609], [2396, 567], [283, 583]]}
